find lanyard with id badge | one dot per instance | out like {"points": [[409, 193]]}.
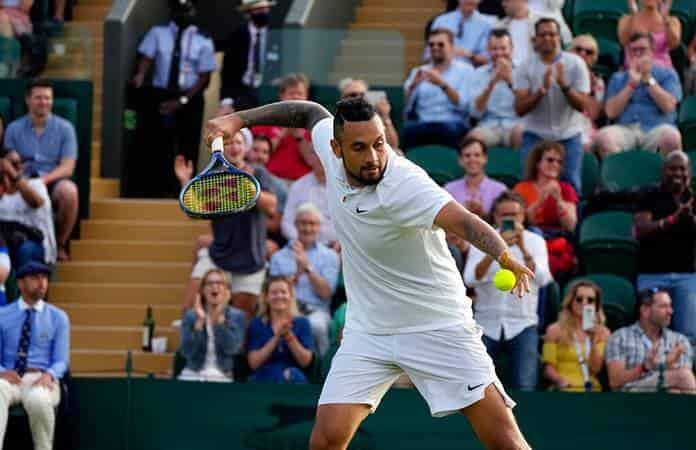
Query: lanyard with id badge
{"points": [[186, 65]]}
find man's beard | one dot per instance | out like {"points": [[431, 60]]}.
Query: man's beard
{"points": [[360, 179]]}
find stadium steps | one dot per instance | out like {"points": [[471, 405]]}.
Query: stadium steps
{"points": [[113, 362], [384, 41], [118, 337], [108, 293], [88, 315]]}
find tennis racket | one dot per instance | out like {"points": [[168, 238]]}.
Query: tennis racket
{"points": [[220, 189]]}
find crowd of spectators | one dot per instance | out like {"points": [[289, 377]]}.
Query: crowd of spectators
{"points": [[517, 80]]}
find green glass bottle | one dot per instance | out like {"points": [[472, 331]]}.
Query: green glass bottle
{"points": [[148, 330]]}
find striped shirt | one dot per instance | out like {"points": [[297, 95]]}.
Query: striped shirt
{"points": [[630, 344]]}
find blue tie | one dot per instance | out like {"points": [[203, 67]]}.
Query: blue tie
{"points": [[23, 348]]}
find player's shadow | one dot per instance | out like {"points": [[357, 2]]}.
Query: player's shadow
{"points": [[292, 430]]}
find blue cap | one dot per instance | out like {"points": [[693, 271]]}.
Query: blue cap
{"points": [[32, 268]]}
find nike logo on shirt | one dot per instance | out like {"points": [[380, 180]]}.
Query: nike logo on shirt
{"points": [[360, 211], [473, 388]]}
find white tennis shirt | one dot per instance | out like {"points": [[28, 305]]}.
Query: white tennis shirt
{"points": [[399, 274]]}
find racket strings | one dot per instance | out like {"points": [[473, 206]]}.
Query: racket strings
{"points": [[220, 193]]}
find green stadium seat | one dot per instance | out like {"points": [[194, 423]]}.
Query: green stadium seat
{"points": [[685, 11], [630, 170], [504, 165], [607, 245], [590, 175], [692, 158], [9, 57], [600, 18], [687, 121], [67, 109], [326, 95], [567, 11], [609, 58], [6, 109], [267, 94], [441, 163], [616, 291]]}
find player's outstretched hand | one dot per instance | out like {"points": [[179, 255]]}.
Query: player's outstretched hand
{"points": [[522, 273], [225, 126]]}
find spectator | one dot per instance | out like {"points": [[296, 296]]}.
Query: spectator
{"points": [[58, 11], [650, 17], [5, 269], [437, 96], [14, 18], [647, 356], [359, 88], [25, 210], [690, 71], [665, 227], [48, 147], [245, 55], [469, 31], [554, 10], [585, 46], [183, 58], [498, 124], [291, 146], [551, 203], [574, 356], [510, 324], [259, 153], [35, 352], [239, 241], [311, 188], [212, 332], [475, 190], [551, 91], [280, 340], [643, 103], [519, 20], [314, 268]]}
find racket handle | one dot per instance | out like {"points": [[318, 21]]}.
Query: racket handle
{"points": [[218, 144]]}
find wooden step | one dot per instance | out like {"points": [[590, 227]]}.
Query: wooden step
{"points": [[395, 15], [90, 12], [115, 361], [138, 209], [95, 167], [106, 292], [381, 79], [122, 272], [105, 187], [377, 65], [406, 31], [118, 315], [118, 338], [143, 230], [160, 251]]}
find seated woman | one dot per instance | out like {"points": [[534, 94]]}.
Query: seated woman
{"points": [[585, 46], [280, 340], [475, 190], [573, 356], [551, 203], [14, 17], [651, 16], [212, 332]]}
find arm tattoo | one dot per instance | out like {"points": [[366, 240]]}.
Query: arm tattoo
{"points": [[483, 236], [288, 114]]}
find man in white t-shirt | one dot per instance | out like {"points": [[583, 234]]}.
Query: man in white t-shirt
{"points": [[519, 20], [26, 201], [408, 312]]}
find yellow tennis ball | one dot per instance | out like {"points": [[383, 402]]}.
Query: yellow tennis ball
{"points": [[504, 280]]}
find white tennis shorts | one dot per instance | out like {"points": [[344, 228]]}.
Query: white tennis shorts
{"points": [[450, 368]]}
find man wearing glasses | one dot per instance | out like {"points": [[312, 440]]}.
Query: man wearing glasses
{"points": [[643, 103], [437, 96], [647, 356]]}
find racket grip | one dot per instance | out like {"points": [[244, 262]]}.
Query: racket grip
{"points": [[218, 144]]}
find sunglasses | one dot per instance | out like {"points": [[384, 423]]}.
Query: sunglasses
{"points": [[583, 299], [585, 50], [551, 159], [436, 44], [214, 283]]}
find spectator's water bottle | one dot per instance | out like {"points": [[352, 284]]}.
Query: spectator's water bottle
{"points": [[660, 377], [148, 330]]}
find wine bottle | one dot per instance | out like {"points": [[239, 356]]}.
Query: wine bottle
{"points": [[148, 330]]}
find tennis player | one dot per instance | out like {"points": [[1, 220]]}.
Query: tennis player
{"points": [[408, 309]]}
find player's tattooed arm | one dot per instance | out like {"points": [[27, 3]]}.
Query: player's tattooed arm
{"points": [[288, 114], [456, 219]]}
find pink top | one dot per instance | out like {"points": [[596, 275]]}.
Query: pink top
{"points": [[660, 54]]}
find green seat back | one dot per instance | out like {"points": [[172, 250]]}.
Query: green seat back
{"points": [[67, 109], [326, 95], [685, 11], [631, 169], [687, 111], [441, 163], [504, 165], [688, 133], [692, 158], [607, 244], [9, 57], [567, 11], [615, 291], [590, 174], [598, 17], [609, 59], [267, 94], [6, 109]]}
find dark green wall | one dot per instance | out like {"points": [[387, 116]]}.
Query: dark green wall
{"points": [[182, 416]]}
